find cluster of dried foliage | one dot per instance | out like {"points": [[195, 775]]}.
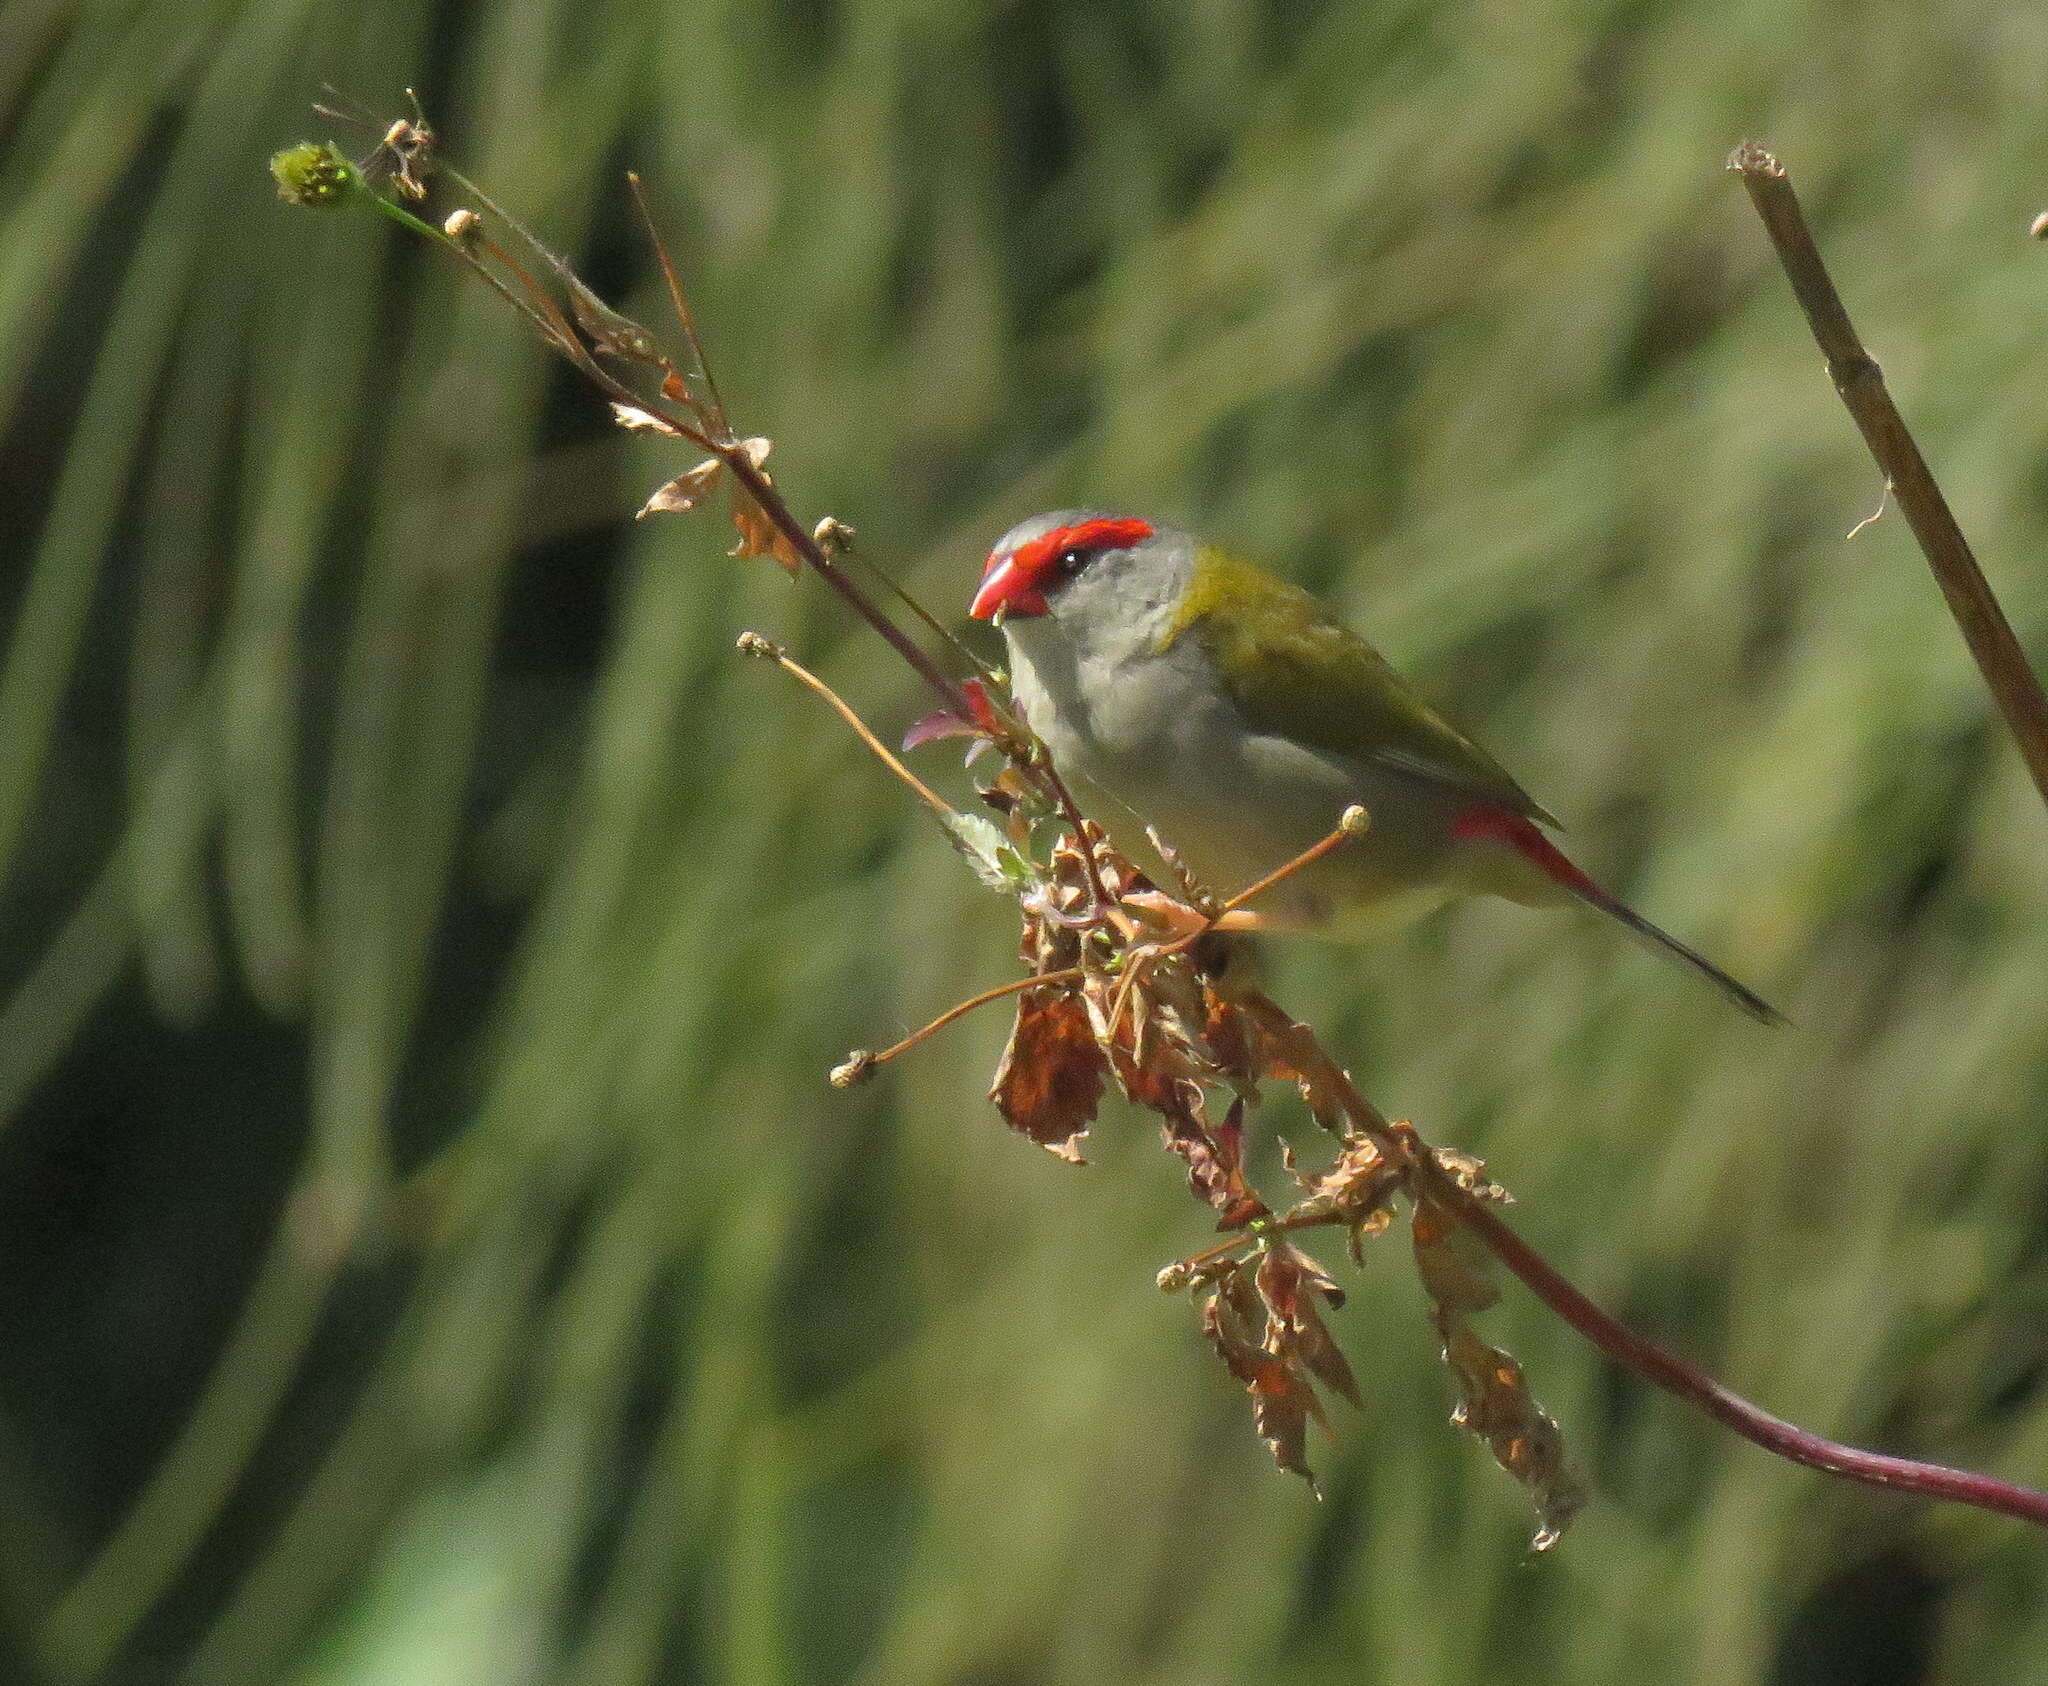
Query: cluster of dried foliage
{"points": [[1127, 983], [1182, 1028]]}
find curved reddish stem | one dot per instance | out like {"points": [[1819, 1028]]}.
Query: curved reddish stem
{"points": [[1644, 1358], [1696, 1387]]}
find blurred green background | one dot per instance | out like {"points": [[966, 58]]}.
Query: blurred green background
{"points": [[428, 1250]]}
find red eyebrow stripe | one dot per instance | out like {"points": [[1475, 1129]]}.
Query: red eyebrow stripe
{"points": [[1110, 532]]}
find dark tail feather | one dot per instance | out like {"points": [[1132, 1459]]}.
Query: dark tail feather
{"points": [[1519, 833], [1741, 994]]}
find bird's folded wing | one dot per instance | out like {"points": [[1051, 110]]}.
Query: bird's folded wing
{"points": [[1298, 674]]}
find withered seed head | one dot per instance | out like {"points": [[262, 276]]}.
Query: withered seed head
{"points": [[857, 1067]]}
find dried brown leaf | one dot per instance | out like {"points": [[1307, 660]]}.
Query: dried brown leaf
{"points": [[1357, 1191], [1289, 1282], [1451, 1274], [1051, 1075], [634, 419], [1326, 1361], [1011, 797], [1469, 1173], [1494, 1402], [1232, 1041], [759, 536], [1285, 1050], [1213, 1154], [1282, 1399], [685, 491], [1281, 1407], [1152, 1066]]}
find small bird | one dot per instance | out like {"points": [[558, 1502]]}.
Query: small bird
{"points": [[1226, 710]]}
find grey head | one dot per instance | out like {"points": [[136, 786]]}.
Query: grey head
{"points": [[1102, 580]]}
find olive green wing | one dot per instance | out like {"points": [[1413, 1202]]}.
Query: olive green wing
{"points": [[1298, 674]]}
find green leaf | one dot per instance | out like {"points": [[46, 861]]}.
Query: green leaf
{"points": [[993, 857]]}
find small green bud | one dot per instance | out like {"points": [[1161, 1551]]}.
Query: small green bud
{"points": [[311, 173]]}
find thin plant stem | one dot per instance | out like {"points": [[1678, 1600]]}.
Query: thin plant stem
{"points": [[679, 301], [753, 644], [1016, 986], [1351, 825], [2013, 683], [1675, 1376]]}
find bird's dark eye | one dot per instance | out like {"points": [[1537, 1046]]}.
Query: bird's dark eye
{"points": [[1070, 563]]}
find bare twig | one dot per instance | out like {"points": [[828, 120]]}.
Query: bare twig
{"points": [[679, 301], [1016, 986], [753, 644], [1350, 824], [2014, 685]]}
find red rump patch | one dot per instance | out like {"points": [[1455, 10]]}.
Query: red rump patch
{"points": [[1503, 825], [1108, 532]]}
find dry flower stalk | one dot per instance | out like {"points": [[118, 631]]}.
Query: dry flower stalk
{"points": [[2011, 680]]}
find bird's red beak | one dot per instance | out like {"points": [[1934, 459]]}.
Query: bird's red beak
{"points": [[1008, 587], [1014, 583]]}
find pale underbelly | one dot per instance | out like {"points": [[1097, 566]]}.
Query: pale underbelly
{"points": [[1236, 804], [1251, 821]]}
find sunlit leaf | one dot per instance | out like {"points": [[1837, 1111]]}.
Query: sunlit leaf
{"points": [[634, 418], [685, 491], [992, 855]]}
